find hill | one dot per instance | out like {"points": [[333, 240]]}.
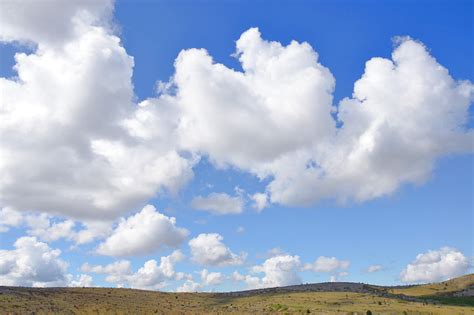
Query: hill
{"points": [[449, 297], [462, 286]]}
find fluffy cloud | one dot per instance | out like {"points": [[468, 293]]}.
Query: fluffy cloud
{"points": [[32, 263], [143, 233], [405, 113], [327, 264], [210, 278], [189, 286], [436, 265], [78, 152], [209, 250], [42, 227], [82, 281], [281, 101], [91, 231], [207, 279], [275, 119], [49, 228], [9, 218], [116, 268], [219, 203], [152, 276], [40, 22], [281, 270]]}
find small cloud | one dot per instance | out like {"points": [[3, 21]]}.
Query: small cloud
{"points": [[260, 201], [240, 229]]}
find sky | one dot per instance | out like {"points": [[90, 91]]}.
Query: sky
{"points": [[231, 145]]}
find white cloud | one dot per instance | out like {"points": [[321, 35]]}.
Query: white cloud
{"points": [[91, 231], [278, 271], [81, 281], [436, 265], [42, 227], [32, 263], [281, 101], [39, 21], [210, 278], [152, 276], [374, 268], [240, 229], [9, 218], [81, 153], [48, 228], [282, 269], [219, 203], [275, 121], [209, 250], [394, 129], [336, 277], [260, 201], [116, 268], [327, 264], [143, 233], [189, 286]]}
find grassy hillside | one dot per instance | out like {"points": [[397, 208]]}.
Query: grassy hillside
{"points": [[269, 301], [459, 291], [442, 288]]}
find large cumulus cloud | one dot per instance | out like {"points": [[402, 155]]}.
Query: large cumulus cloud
{"points": [[69, 140], [436, 265], [32, 263], [276, 119]]}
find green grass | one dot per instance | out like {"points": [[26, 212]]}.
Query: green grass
{"points": [[450, 300]]}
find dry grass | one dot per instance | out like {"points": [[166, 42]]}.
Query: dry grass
{"points": [[445, 287], [128, 301]]}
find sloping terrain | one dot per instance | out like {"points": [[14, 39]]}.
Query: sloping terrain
{"points": [[322, 298], [462, 286]]}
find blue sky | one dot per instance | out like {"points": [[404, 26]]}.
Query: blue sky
{"points": [[418, 207]]}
